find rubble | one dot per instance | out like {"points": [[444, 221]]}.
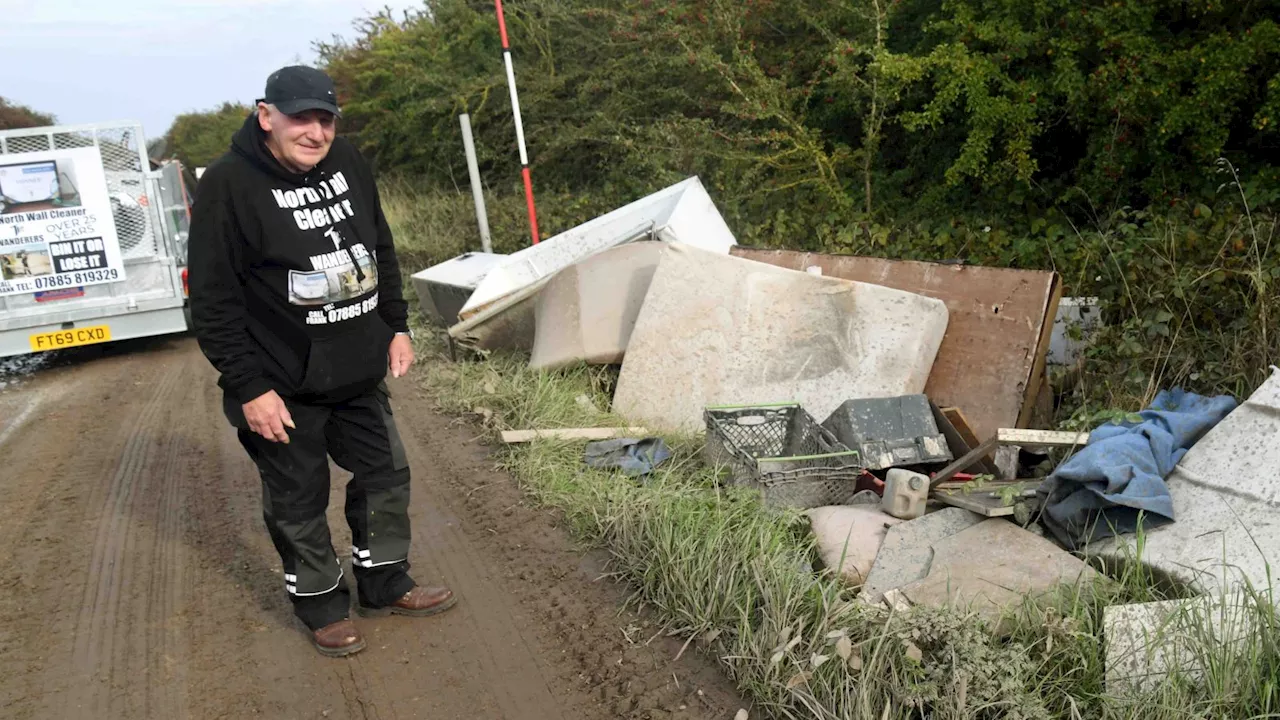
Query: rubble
{"points": [[992, 566], [1147, 642], [723, 330], [907, 550], [849, 537]]}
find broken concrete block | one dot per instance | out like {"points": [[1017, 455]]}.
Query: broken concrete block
{"points": [[992, 566], [720, 330], [907, 550], [1147, 642], [1224, 492], [849, 537]]}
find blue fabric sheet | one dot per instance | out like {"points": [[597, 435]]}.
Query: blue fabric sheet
{"points": [[1099, 491]]}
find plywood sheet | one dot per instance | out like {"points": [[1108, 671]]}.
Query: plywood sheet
{"points": [[992, 356]]}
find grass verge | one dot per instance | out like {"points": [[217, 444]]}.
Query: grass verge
{"points": [[739, 580]]}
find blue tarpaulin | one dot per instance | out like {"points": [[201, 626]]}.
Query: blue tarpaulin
{"points": [[1100, 491], [634, 457]]}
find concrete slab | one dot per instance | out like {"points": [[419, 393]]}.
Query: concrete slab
{"points": [[849, 537], [1147, 642], [907, 550], [720, 330], [992, 566], [588, 310], [1225, 490]]}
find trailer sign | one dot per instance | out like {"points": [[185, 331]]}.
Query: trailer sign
{"points": [[65, 294], [57, 230]]}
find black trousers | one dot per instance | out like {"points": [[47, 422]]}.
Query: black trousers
{"points": [[361, 437]]}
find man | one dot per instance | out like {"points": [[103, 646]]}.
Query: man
{"points": [[277, 222]]}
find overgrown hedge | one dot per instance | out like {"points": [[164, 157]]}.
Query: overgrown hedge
{"points": [[807, 117]]}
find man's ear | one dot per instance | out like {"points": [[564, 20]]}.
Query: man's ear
{"points": [[264, 117]]}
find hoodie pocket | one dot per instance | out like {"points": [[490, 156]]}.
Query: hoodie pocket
{"points": [[348, 364]]}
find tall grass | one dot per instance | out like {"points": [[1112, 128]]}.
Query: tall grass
{"points": [[741, 581]]}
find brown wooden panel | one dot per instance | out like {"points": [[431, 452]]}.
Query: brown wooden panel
{"points": [[997, 330]]}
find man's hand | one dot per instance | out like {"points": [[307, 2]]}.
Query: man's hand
{"points": [[400, 356], [268, 417]]}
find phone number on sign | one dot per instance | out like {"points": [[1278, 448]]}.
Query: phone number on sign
{"points": [[77, 278]]}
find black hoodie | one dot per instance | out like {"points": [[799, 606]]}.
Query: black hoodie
{"points": [[293, 278]]}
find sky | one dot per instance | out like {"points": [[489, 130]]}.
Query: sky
{"points": [[90, 61]]}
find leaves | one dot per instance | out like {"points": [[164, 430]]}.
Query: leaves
{"points": [[912, 651], [199, 138]]}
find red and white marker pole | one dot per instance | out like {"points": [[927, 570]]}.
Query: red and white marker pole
{"points": [[515, 110]]}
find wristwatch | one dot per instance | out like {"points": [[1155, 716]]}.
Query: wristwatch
{"points": [[408, 332]]}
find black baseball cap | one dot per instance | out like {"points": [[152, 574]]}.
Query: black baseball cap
{"points": [[297, 88]]}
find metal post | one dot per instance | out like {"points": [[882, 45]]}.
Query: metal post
{"points": [[477, 192], [515, 111]]}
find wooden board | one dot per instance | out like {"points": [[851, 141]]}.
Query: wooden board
{"points": [[524, 436], [1000, 320], [961, 441], [1008, 436], [984, 501], [1038, 377], [1045, 438], [988, 506]]}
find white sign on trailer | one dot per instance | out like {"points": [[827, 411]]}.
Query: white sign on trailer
{"points": [[56, 227]]}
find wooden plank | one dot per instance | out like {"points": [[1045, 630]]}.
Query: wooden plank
{"points": [[991, 507], [1037, 375], [524, 436], [999, 322], [986, 500], [989, 486], [961, 441], [1051, 438], [1008, 436], [963, 463], [956, 417]]}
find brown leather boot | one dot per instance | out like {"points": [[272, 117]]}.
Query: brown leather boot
{"points": [[417, 602], [338, 639]]}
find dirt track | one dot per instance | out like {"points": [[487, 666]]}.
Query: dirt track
{"points": [[141, 582]]}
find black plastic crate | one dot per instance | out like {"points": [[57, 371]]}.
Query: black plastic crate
{"points": [[782, 451]]}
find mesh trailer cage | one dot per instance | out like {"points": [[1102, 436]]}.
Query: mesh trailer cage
{"points": [[783, 452], [125, 166]]}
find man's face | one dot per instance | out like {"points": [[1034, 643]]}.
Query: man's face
{"points": [[299, 141]]}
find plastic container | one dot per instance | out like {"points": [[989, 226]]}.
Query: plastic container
{"points": [[782, 451], [905, 494]]}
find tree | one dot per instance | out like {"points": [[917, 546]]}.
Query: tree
{"points": [[198, 138], [14, 116]]}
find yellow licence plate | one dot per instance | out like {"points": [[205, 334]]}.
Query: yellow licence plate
{"points": [[70, 338]]}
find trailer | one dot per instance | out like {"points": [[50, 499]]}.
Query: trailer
{"points": [[92, 240]]}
